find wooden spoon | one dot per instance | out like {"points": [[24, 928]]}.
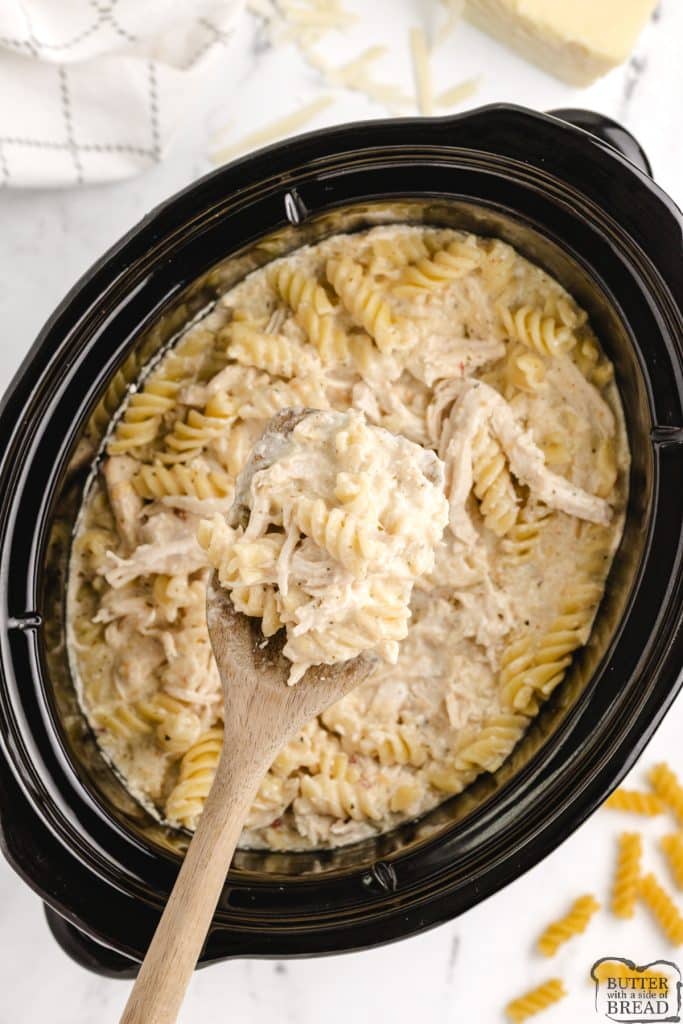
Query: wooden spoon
{"points": [[262, 713]]}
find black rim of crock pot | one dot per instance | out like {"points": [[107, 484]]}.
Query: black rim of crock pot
{"points": [[637, 224]]}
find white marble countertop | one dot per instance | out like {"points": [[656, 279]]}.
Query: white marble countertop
{"points": [[47, 239]]}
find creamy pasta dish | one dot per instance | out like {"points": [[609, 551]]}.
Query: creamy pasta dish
{"points": [[466, 542], [342, 518]]}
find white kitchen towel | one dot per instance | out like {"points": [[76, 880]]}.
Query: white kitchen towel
{"points": [[92, 90]]}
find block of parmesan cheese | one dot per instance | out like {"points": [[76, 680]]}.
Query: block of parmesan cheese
{"points": [[577, 40]]}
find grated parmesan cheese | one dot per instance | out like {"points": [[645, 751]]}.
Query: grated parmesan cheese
{"points": [[356, 76], [458, 93], [283, 126], [422, 72], [455, 10]]}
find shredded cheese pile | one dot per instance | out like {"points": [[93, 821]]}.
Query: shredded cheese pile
{"points": [[304, 24]]}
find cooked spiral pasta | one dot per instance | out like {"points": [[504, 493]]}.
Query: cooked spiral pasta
{"points": [[667, 787], [634, 801], [536, 331], [174, 595], [596, 369], [177, 726], [428, 273], [627, 875], [531, 670], [493, 485], [313, 312], [190, 435], [260, 602], [495, 741], [368, 559], [102, 414], [523, 371], [537, 999], [673, 850], [263, 403], [157, 481], [142, 419], [274, 796], [446, 778], [401, 746], [521, 539], [573, 923], [276, 354], [343, 535], [144, 413], [387, 254], [663, 909], [307, 750], [122, 720], [366, 303], [338, 791], [197, 770]]}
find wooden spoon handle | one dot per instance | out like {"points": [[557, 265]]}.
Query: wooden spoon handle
{"points": [[165, 973]]}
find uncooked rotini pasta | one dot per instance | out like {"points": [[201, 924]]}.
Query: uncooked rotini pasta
{"points": [[663, 908], [634, 801], [450, 342], [672, 846], [573, 923], [627, 875], [537, 999], [665, 783]]}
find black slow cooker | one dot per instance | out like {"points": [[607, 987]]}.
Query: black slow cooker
{"points": [[583, 207]]}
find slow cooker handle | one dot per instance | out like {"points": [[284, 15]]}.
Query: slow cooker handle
{"points": [[609, 131]]}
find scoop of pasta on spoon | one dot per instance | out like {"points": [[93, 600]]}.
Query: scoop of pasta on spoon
{"points": [[333, 522]]}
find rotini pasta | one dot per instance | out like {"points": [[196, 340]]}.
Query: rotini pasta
{"points": [[157, 481], [192, 434], [493, 485], [634, 801], [627, 876], [366, 304], [339, 792], [276, 354], [197, 771], [542, 333], [532, 669], [430, 272], [672, 846], [573, 923], [667, 787], [313, 312], [537, 999], [663, 909], [521, 539]]}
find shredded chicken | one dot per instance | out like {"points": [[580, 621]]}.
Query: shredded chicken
{"points": [[126, 503]]}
